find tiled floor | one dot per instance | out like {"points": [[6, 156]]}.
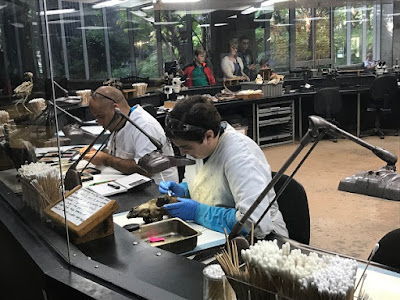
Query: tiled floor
{"points": [[342, 222]]}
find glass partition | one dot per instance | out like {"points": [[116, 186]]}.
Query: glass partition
{"points": [[53, 52]]}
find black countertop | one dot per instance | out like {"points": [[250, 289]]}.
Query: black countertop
{"points": [[114, 263]]}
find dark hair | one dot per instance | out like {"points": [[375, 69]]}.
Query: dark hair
{"points": [[199, 51], [263, 61], [243, 37], [197, 111]]}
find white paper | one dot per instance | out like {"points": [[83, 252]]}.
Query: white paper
{"points": [[132, 180], [107, 188], [96, 130], [80, 206]]}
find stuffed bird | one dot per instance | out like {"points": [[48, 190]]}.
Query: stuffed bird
{"points": [[24, 90]]}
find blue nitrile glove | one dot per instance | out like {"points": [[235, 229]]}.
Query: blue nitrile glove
{"points": [[216, 218], [185, 209], [176, 189]]}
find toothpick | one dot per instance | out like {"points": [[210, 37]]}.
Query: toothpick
{"points": [[376, 247], [252, 234]]}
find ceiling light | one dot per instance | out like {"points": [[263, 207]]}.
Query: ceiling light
{"points": [[193, 12], [272, 2], [165, 23], [233, 17], [204, 25], [108, 3], [139, 13], [248, 10], [150, 19], [282, 25], [312, 19], [262, 20], [179, 1], [58, 11], [148, 7], [93, 27], [220, 24], [63, 21]]}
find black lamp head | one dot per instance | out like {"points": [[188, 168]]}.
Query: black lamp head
{"points": [[156, 162]]}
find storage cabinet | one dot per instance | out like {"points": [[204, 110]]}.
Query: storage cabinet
{"points": [[275, 123]]}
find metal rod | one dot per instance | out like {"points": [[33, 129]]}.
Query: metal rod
{"points": [[286, 183], [237, 228]]}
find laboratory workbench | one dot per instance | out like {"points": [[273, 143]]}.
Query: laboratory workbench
{"points": [[34, 261]]}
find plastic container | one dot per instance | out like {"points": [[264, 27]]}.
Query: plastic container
{"points": [[269, 90]]}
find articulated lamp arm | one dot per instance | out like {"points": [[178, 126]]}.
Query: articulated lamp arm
{"points": [[318, 127]]}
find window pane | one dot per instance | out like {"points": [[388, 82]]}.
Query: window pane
{"points": [[356, 24], [174, 37], [95, 43], [340, 36], [118, 36], [303, 34], [144, 39], [323, 36], [369, 19], [280, 40], [73, 39]]}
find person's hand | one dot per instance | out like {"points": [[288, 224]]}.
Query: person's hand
{"points": [[246, 78], [184, 209], [83, 149], [99, 159], [176, 189]]}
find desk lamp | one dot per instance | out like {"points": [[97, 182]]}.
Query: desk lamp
{"points": [[318, 127], [152, 163], [156, 162]]}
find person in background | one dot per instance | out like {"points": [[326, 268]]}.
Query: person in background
{"points": [[230, 172], [264, 70], [198, 73], [370, 63], [127, 144], [264, 64], [250, 68], [232, 65]]}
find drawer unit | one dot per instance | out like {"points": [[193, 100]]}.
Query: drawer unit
{"points": [[275, 123]]}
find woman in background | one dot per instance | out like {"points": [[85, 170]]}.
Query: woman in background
{"points": [[232, 65]]}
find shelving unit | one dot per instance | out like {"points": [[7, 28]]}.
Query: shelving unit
{"points": [[275, 123]]}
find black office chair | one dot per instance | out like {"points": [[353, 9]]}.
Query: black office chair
{"points": [[293, 205], [150, 109], [388, 252], [328, 104], [382, 95]]}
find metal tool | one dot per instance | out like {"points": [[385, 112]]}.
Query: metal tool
{"points": [[169, 192]]}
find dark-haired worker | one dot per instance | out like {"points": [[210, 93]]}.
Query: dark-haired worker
{"points": [[230, 172], [198, 73], [127, 144], [250, 68]]}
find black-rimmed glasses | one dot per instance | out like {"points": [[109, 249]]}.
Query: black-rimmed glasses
{"points": [[177, 125], [93, 94]]}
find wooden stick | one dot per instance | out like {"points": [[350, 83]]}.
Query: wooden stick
{"points": [[252, 234], [227, 243]]}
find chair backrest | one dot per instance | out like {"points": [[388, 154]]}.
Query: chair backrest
{"points": [[388, 252], [150, 109], [383, 90], [293, 205], [327, 102]]}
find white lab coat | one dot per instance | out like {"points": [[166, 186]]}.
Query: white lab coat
{"points": [[130, 143], [234, 176]]}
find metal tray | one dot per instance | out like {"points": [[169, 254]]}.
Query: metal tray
{"points": [[178, 236]]}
